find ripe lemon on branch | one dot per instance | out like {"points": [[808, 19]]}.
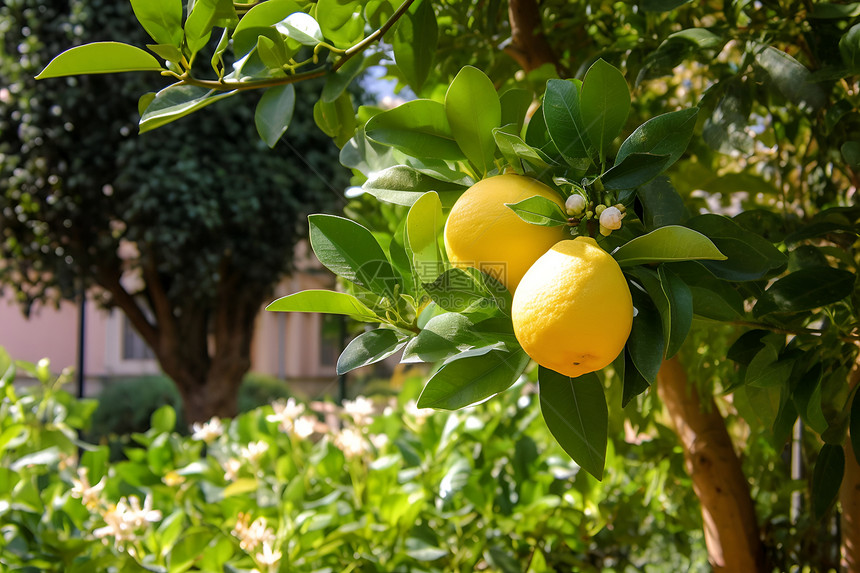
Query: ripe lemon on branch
{"points": [[572, 311], [483, 233]]}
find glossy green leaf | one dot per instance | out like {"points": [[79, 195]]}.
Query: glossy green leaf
{"points": [[168, 52], [469, 291], [324, 301], [469, 379], [273, 54], [473, 111], [725, 130], [576, 414], [645, 345], [204, 16], [766, 369], [539, 211], [162, 19], [302, 28], [260, 17], [424, 223], [563, 119], [368, 348], [100, 58], [712, 298], [749, 256], [350, 251], [680, 311], [163, 419], [177, 101], [806, 289], [634, 383], [337, 82], [336, 119], [791, 78], [604, 104], [667, 244], [341, 21], [636, 169], [274, 113], [661, 204], [415, 42], [448, 334], [403, 185], [515, 105], [419, 128], [667, 134], [515, 150], [826, 478]]}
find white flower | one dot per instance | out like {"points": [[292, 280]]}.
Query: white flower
{"points": [[610, 220], [351, 442], [379, 441], [255, 451], [361, 409], [251, 535], [269, 558], [123, 519], [88, 494], [304, 427], [231, 469], [286, 412], [208, 431], [575, 205]]}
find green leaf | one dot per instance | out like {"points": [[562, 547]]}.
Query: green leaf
{"points": [[661, 204], [177, 101], [324, 301], [826, 478], [351, 252], [188, 549], [473, 110], [341, 21], [162, 19], [805, 289], [766, 369], [749, 256], [667, 134], [679, 317], [634, 382], [273, 54], [791, 78], [661, 5], [604, 104], [274, 113], [100, 58], [424, 222], [515, 105], [368, 348], [469, 291], [712, 298], [563, 119], [204, 16], [576, 414], [337, 82], [539, 211], [418, 128], [851, 152], [667, 244], [469, 379], [514, 149], [164, 419], [849, 47], [168, 52], [636, 169], [450, 333], [645, 344], [302, 28], [260, 17], [336, 119], [415, 42], [404, 185], [725, 130]]}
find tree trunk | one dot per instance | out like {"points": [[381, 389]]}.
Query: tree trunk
{"points": [[731, 529], [849, 498], [529, 47]]}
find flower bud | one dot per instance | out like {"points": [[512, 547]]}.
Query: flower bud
{"points": [[610, 218], [575, 205], [599, 209]]}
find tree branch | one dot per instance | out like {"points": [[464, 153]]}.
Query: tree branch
{"points": [[529, 46]]}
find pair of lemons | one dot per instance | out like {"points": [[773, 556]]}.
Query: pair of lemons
{"points": [[572, 310]]}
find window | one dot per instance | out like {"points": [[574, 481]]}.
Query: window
{"points": [[133, 346]]}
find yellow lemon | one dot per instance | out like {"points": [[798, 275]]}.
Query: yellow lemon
{"points": [[572, 311], [483, 233]]}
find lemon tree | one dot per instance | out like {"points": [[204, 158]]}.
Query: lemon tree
{"points": [[722, 187]]}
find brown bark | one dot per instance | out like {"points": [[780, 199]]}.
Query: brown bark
{"points": [[529, 47], [731, 529], [849, 499]]}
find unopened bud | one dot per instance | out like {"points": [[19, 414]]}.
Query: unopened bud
{"points": [[599, 209], [575, 205], [610, 218]]}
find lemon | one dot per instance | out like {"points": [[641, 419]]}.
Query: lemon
{"points": [[572, 311], [483, 233]]}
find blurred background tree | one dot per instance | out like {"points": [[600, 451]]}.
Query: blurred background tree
{"points": [[185, 230]]}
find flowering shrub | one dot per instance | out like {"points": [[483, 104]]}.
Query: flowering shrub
{"points": [[374, 485]]}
